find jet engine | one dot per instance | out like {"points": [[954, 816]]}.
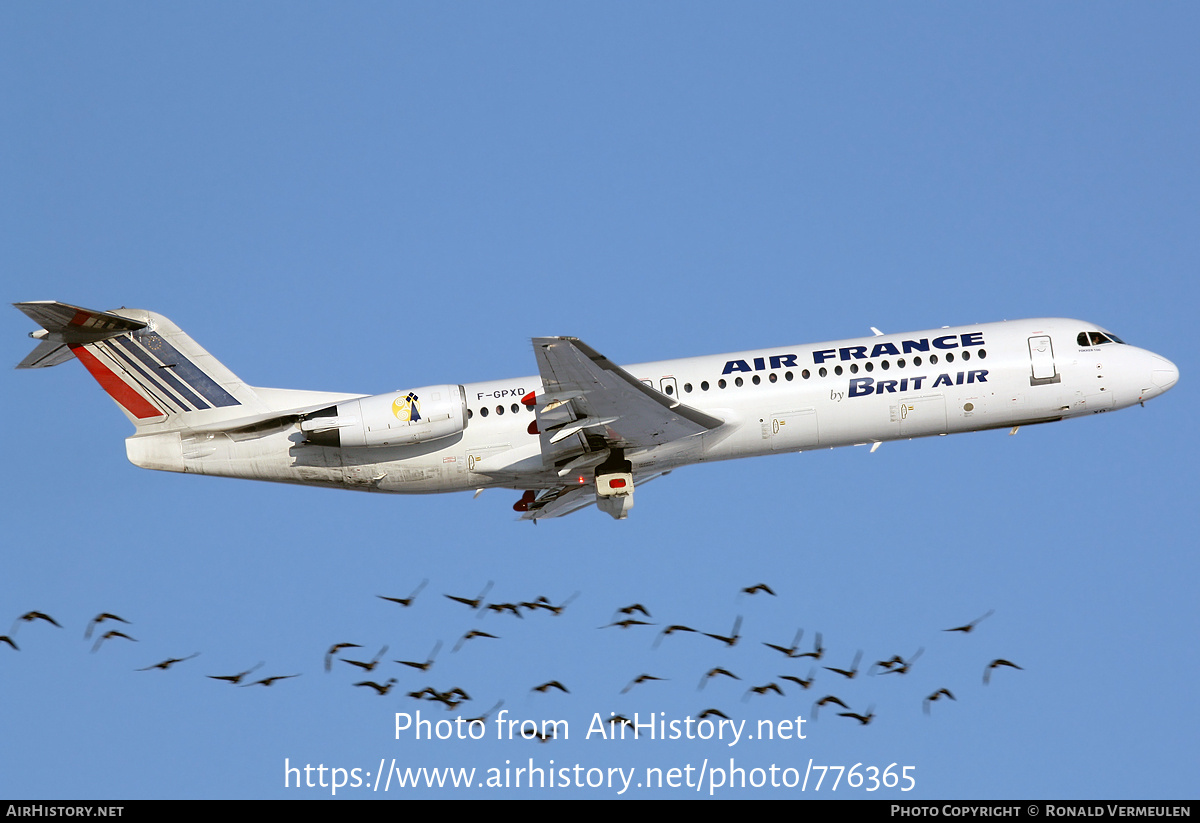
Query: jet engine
{"points": [[400, 418]]}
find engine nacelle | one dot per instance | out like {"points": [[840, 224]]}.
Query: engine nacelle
{"points": [[401, 418]]}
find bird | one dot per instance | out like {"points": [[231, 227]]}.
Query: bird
{"points": [[968, 628], [471, 635], [235, 679], [475, 602], [671, 630], [100, 618], [733, 638], [626, 623], [850, 673], [935, 696], [4, 638], [712, 713], [543, 602], [334, 649], [110, 634], [483, 717], [369, 665], [423, 666], [499, 608], [711, 673], [818, 650], [641, 678], [406, 601], [381, 690], [29, 617], [864, 719], [804, 684], [168, 663], [624, 722], [760, 587], [790, 651], [269, 681], [825, 701], [894, 660], [900, 665], [551, 684], [636, 607], [451, 699], [987, 673], [769, 687]]}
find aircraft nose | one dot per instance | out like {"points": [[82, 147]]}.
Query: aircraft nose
{"points": [[1163, 375]]}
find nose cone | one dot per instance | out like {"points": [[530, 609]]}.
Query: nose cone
{"points": [[1163, 375]]}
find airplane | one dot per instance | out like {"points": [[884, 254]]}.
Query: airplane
{"points": [[585, 430]]}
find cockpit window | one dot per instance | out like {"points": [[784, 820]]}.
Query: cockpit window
{"points": [[1096, 338]]}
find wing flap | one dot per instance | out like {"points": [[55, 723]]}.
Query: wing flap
{"points": [[563, 500]]}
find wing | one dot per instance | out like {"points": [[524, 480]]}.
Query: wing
{"points": [[589, 405]]}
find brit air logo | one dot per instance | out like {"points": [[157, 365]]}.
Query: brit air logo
{"points": [[863, 386], [406, 408]]}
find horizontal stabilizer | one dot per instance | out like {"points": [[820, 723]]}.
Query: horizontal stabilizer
{"points": [[46, 354], [65, 325], [84, 325]]}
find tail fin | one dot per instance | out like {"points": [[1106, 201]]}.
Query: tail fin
{"points": [[155, 373]]}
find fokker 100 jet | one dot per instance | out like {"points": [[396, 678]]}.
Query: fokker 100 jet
{"points": [[584, 429]]}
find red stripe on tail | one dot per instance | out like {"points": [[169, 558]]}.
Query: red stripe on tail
{"points": [[117, 388]]}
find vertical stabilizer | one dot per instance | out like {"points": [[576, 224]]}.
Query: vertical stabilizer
{"points": [[159, 377]]}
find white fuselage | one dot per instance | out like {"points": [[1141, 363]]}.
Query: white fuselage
{"points": [[787, 399]]}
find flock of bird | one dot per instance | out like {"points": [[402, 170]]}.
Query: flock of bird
{"points": [[627, 620]]}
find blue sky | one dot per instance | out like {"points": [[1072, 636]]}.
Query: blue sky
{"points": [[359, 198]]}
